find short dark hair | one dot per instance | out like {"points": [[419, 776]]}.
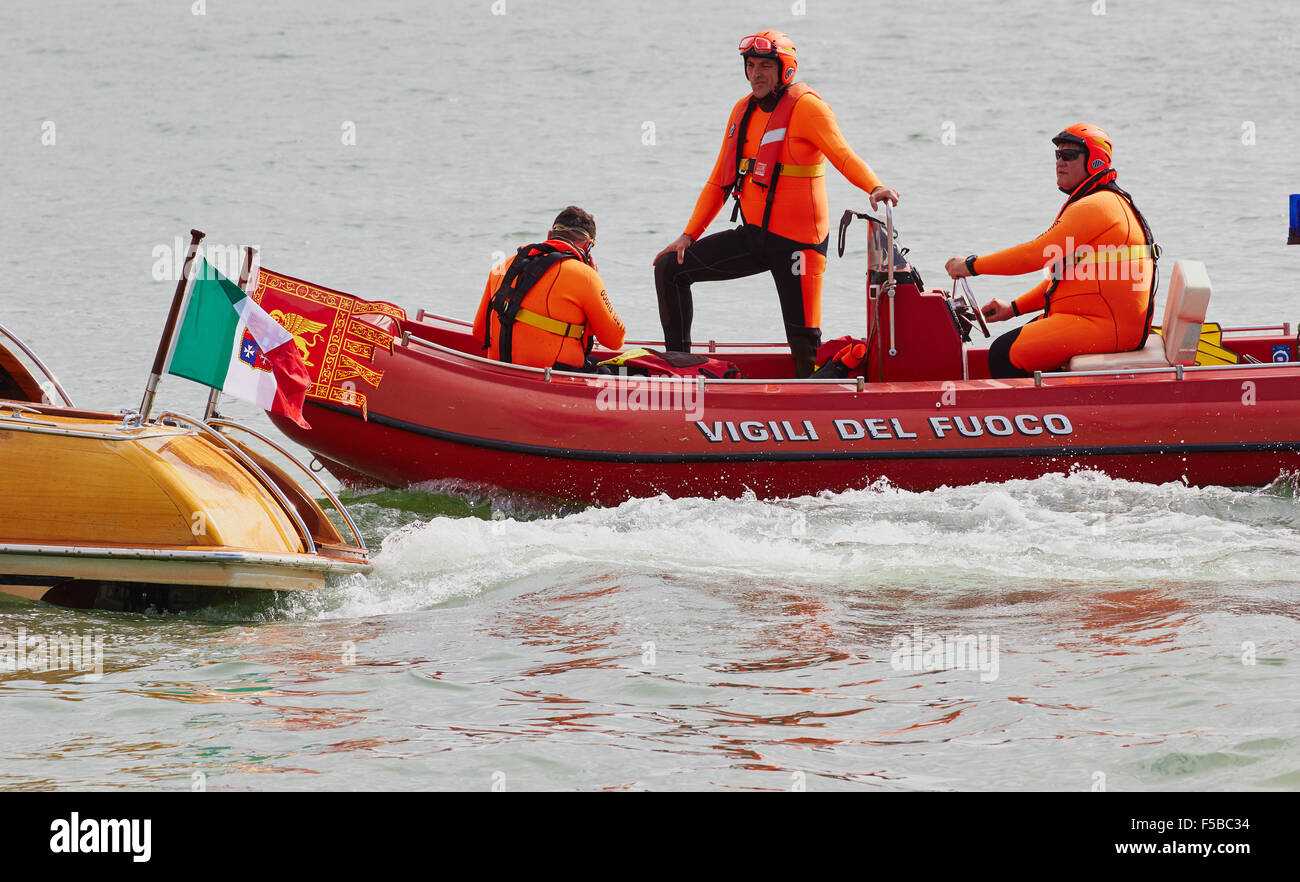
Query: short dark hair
{"points": [[574, 220]]}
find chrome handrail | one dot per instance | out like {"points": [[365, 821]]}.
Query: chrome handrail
{"points": [[334, 500], [43, 427], [747, 381], [1177, 369], [22, 418], [1285, 328], [216, 555], [428, 317], [252, 466], [889, 284], [49, 375]]}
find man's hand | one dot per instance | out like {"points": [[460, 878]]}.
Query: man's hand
{"points": [[679, 245], [956, 268], [997, 310], [883, 194]]}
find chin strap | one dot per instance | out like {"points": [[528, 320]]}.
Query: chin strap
{"points": [[1094, 183]]}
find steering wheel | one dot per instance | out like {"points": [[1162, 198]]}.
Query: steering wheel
{"points": [[969, 299]]}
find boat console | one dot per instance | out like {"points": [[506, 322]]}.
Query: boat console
{"points": [[912, 334]]}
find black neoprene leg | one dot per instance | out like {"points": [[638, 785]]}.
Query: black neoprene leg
{"points": [[782, 257], [724, 255], [1000, 366]]}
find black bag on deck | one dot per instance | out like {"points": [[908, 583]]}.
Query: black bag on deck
{"points": [[653, 363]]}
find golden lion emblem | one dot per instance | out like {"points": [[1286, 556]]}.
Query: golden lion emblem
{"points": [[299, 328]]}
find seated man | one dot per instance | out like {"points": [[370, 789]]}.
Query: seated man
{"points": [[546, 306], [1102, 255]]}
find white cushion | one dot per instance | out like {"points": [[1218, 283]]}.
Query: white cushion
{"points": [[1189, 297], [1185, 305], [1149, 356]]}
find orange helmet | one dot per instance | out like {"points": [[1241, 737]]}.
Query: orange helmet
{"points": [[1092, 140], [772, 44]]}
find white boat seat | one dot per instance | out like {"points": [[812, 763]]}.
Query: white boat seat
{"points": [[1180, 332]]}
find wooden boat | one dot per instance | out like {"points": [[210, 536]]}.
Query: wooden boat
{"points": [[111, 511], [925, 414]]}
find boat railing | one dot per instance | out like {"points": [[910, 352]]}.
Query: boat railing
{"points": [[548, 373], [223, 555], [1177, 370], [247, 461], [16, 419], [329, 495], [422, 317], [52, 382], [713, 346], [1285, 328]]}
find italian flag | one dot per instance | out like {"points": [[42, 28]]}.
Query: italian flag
{"points": [[228, 342]]}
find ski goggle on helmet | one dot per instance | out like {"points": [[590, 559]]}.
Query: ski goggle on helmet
{"points": [[1091, 141], [772, 44]]}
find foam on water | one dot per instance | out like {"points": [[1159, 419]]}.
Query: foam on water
{"points": [[1083, 528]]}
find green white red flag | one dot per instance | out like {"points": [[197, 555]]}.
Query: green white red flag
{"points": [[226, 341]]}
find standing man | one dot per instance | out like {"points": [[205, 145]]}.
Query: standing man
{"points": [[772, 163], [546, 306], [1100, 294]]}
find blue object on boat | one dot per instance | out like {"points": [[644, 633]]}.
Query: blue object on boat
{"points": [[1294, 238]]}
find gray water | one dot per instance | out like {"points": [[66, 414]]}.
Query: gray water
{"points": [[1145, 634]]}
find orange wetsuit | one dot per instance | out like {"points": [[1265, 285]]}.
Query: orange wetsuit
{"points": [[793, 248], [799, 208], [1102, 301], [570, 292]]}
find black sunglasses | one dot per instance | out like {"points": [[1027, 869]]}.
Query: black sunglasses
{"points": [[1068, 155]]}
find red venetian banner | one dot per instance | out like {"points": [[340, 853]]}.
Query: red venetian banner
{"points": [[335, 343]]}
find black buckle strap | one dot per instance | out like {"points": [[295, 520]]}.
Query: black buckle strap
{"points": [[845, 220]]}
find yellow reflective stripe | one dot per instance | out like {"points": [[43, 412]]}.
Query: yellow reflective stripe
{"points": [[803, 171], [1123, 252], [564, 329], [788, 171], [624, 356]]}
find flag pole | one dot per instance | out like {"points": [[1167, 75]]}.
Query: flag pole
{"points": [[169, 329], [215, 395]]}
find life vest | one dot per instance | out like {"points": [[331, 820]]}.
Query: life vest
{"points": [[765, 168], [653, 363], [526, 270], [1105, 180]]}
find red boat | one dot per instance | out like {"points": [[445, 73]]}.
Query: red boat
{"points": [[924, 415]]}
